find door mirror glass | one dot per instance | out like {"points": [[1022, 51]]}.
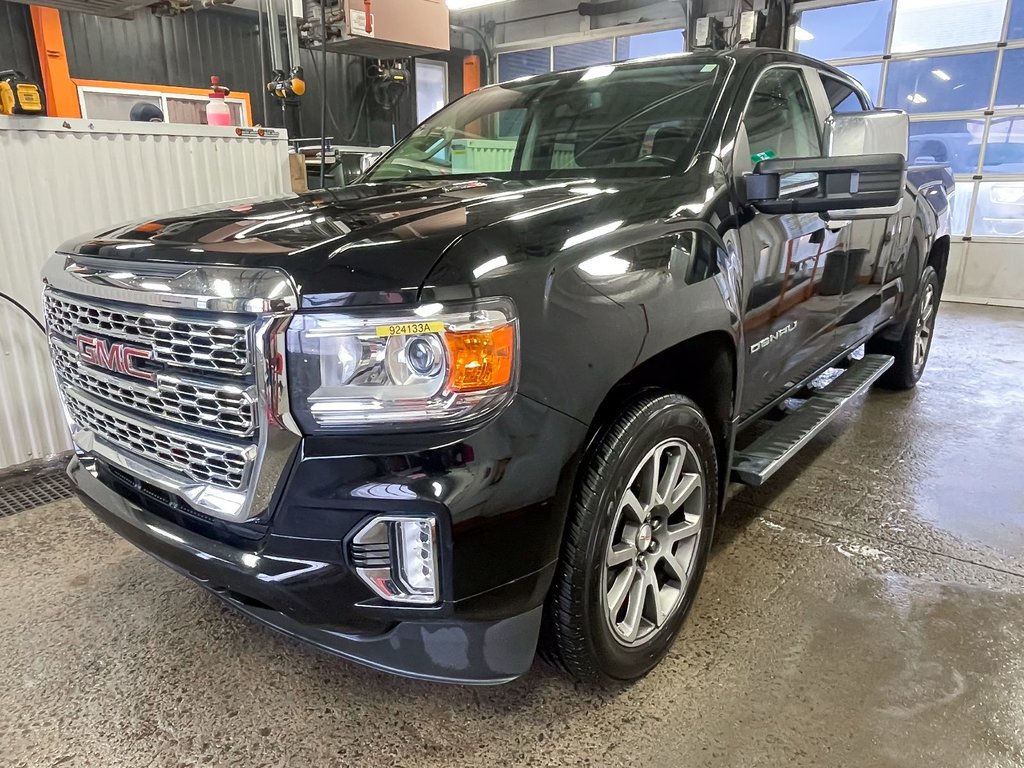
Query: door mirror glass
{"points": [[882, 132]]}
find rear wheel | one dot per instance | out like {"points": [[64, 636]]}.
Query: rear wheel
{"points": [[914, 347], [637, 543]]}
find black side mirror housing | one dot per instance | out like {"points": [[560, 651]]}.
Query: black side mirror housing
{"points": [[872, 183]]}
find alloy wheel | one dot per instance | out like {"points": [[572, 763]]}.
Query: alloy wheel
{"points": [[654, 541], [925, 326]]}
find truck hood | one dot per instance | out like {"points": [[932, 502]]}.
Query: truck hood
{"points": [[370, 243]]}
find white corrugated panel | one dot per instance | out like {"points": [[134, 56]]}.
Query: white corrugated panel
{"points": [[63, 178]]}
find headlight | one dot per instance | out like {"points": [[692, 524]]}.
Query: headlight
{"points": [[433, 363]]}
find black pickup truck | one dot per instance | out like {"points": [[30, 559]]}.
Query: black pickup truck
{"points": [[491, 397]]}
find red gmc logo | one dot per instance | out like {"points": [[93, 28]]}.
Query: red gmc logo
{"points": [[114, 357]]}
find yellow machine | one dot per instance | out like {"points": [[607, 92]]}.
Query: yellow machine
{"points": [[20, 96], [288, 90], [288, 87]]}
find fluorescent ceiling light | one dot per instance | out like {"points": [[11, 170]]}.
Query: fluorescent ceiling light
{"points": [[941, 75], [428, 310], [461, 5], [802, 34], [917, 98], [489, 266], [596, 73], [592, 234], [605, 265]]}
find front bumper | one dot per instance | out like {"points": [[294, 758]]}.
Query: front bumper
{"points": [[444, 649]]}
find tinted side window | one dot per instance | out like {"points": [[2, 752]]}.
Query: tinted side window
{"points": [[842, 98], [780, 118]]}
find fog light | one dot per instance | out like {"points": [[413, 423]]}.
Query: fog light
{"points": [[397, 558]]}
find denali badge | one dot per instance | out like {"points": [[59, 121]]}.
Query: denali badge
{"points": [[114, 357], [758, 346]]}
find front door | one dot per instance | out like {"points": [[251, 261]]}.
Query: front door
{"points": [[869, 291], [793, 264]]}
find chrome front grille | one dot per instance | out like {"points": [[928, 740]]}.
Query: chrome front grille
{"points": [[184, 424], [169, 380], [197, 459], [188, 342], [226, 408]]}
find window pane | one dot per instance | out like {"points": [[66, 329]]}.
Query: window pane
{"points": [[1017, 20], [1004, 152], [780, 119], [844, 31], [868, 75], [431, 87], [118, 106], [924, 24], [941, 83], [961, 207], [841, 98], [651, 44], [956, 143], [1000, 209], [586, 54], [510, 123], [189, 111], [851, 103], [523, 63], [1011, 85]]}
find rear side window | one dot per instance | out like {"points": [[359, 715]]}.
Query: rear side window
{"points": [[842, 98], [780, 120]]}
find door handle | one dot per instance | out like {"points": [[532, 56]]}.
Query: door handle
{"points": [[836, 226]]}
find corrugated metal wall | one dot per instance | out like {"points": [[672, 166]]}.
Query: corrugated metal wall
{"points": [[181, 50], [78, 180], [186, 49], [17, 45]]}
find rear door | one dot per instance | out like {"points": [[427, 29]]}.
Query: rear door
{"points": [[792, 298], [867, 244]]}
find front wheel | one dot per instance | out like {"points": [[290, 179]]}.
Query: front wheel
{"points": [[638, 539], [914, 347]]}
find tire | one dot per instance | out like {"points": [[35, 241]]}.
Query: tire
{"points": [[912, 350], [606, 549]]}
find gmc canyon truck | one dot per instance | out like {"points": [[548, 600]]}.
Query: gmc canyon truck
{"points": [[490, 398]]}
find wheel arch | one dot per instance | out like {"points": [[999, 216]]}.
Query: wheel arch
{"points": [[702, 368], [938, 259], [931, 251]]}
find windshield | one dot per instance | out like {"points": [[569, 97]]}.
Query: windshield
{"points": [[607, 120]]}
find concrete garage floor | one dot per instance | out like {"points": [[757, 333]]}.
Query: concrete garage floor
{"points": [[865, 609]]}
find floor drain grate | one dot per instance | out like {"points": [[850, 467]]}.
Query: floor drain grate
{"points": [[23, 494]]}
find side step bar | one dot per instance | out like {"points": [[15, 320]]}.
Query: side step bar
{"points": [[766, 455]]}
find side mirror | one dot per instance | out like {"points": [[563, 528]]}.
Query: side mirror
{"points": [[862, 177], [837, 187], [882, 132]]}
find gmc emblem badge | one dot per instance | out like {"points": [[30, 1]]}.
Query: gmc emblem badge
{"points": [[114, 357]]}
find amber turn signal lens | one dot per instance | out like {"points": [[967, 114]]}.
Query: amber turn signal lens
{"points": [[481, 359]]}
